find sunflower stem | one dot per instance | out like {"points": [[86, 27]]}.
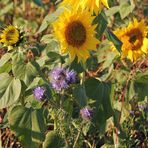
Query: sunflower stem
{"points": [[82, 78], [82, 75]]}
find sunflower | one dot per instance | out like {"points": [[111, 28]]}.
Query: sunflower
{"points": [[133, 37], [10, 36], [92, 5], [76, 33]]}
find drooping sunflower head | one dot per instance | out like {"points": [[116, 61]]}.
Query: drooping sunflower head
{"points": [[76, 34], [92, 5], [10, 36], [134, 40]]}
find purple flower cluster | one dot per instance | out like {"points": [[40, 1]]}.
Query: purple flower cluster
{"points": [[39, 93], [61, 78], [86, 113], [143, 107], [131, 112]]}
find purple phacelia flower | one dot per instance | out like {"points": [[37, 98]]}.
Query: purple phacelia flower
{"points": [[39, 93], [86, 113], [131, 112], [143, 107], [61, 78]]}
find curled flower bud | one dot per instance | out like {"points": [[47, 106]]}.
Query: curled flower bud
{"points": [[86, 113]]}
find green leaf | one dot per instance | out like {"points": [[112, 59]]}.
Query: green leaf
{"points": [[6, 68], [126, 8], [145, 11], [5, 58], [112, 11], [80, 95], [138, 89], [5, 80], [105, 55], [29, 125], [68, 106], [48, 38], [49, 19], [102, 24], [111, 37], [10, 90], [121, 75], [107, 99], [76, 66], [102, 94], [142, 77], [22, 70], [131, 91], [6, 9], [94, 89], [34, 83], [38, 2], [53, 140], [141, 90], [53, 56]]}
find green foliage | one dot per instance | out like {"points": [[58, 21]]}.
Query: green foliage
{"points": [[112, 87], [10, 90], [29, 125], [7, 9], [38, 2], [22, 70], [53, 140], [111, 37], [80, 95], [102, 24], [49, 19], [100, 96], [124, 9]]}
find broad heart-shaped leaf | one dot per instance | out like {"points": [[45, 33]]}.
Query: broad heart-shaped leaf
{"points": [[29, 125], [6, 68], [5, 58], [138, 89], [94, 89], [5, 65], [80, 95], [22, 70], [53, 140], [10, 89], [101, 93]]}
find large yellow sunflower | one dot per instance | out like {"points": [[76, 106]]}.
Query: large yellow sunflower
{"points": [[92, 5], [76, 34], [133, 37], [9, 36]]}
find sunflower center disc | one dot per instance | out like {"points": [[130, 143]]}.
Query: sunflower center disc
{"points": [[136, 39], [75, 34], [11, 34]]}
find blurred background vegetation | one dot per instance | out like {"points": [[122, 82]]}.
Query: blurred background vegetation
{"points": [[30, 15]]}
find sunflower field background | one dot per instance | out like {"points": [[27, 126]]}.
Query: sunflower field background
{"points": [[73, 73]]}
